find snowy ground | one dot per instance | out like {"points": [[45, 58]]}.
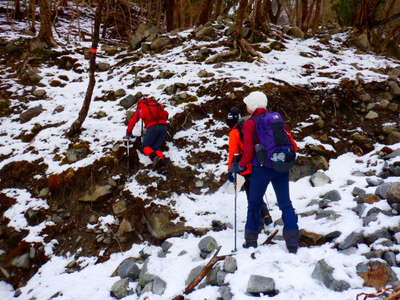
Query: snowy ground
{"points": [[292, 273]]}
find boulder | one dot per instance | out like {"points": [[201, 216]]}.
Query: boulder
{"points": [[225, 293], [206, 33], [319, 179], [324, 274], [351, 240], [371, 115], [230, 264], [216, 276], [161, 43], [193, 274], [394, 88], [381, 233], [160, 226], [144, 31], [374, 181], [296, 32], [120, 289], [376, 274], [382, 190], [361, 41], [207, 245], [259, 284], [393, 195], [393, 137], [30, 113], [103, 67], [95, 193], [128, 269], [333, 195], [40, 93]]}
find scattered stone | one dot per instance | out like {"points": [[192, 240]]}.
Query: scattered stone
{"points": [[193, 274], [352, 240], [40, 93], [119, 207], [390, 258], [128, 269], [30, 113], [57, 83], [296, 32], [160, 43], [278, 46], [103, 67], [259, 284], [324, 273], [143, 32], [109, 50], [230, 264], [394, 88], [207, 245], [218, 225], [374, 181], [358, 192], [120, 289], [124, 227], [393, 195], [330, 237], [206, 33], [368, 198], [205, 73], [96, 192], [22, 261], [319, 179], [225, 293], [120, 93], [376, 274], [216, 276], [359, 209], [381, 233], [382, 190], [161, 227], [58, 109], [308, 239], [165, 246], [333, 195], [365, 97], [371, 115], [165, 74]]}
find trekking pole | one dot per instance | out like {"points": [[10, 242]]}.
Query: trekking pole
{"points": [[127, 153], [235, 159]]}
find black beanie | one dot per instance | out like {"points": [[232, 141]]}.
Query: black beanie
{"points": [[233, 117]]}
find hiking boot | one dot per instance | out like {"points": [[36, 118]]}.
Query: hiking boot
{"points": [[292, 240], [250, 237], [156, 159]]}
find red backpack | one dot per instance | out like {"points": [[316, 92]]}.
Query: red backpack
{"points": [[151, 110]]}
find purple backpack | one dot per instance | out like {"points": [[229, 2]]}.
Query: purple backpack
{"points": [[274, 149]]}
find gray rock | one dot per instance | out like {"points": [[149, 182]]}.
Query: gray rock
{"points": [[390, 258], [22, 261], [165, 246], [350, 182], [259, 284], [216, 276], [120, 289], [358, 192], [158, 286], [128, 269], [324, 274], [394, 154], [371, 115], [328, 214], [352, 240], [230, 264], [225, 293], [333, 195], [361, 41], [193, 274], [374, 181], [208, 244], [382, 190], [319, 179], [206, 33], [359, 209], [30, 113], [369, 219], [381, 233]]}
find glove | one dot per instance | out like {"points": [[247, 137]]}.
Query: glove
{"points": [[236, 168], [231, 178], [128, 135]]}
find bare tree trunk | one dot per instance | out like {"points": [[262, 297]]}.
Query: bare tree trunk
{"points": [[17, 11], [32, 13], [158, 13], [218, 9], [317, 18], [169, 11], [240, 18], [205, 12], [45, 33], [77, 124]]}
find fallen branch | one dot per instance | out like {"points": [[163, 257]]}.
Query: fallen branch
{"points": [[395, 294], [203, 273], [269, 241]]}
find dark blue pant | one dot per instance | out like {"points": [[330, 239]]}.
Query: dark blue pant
{"points": [[264, 208], [259, 180], [154, 136]]}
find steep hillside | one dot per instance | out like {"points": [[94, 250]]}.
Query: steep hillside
{"points": [[73, 209]]}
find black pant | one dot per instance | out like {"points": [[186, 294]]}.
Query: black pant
{"points": [[154, 136]]}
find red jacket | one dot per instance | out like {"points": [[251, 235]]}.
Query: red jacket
{"points": [[151, 115], [250, 138], [236, 146]]}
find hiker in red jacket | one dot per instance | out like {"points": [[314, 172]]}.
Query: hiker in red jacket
{"points": [[265, 169], [155, 119], [235, 146]]}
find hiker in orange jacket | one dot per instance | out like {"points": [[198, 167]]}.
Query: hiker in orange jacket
{"points": [[235, 145]]}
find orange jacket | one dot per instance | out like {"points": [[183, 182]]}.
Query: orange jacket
{"points": [[235, 145]]}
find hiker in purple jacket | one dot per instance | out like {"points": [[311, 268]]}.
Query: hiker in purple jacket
{"points": [[264, 173]]}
